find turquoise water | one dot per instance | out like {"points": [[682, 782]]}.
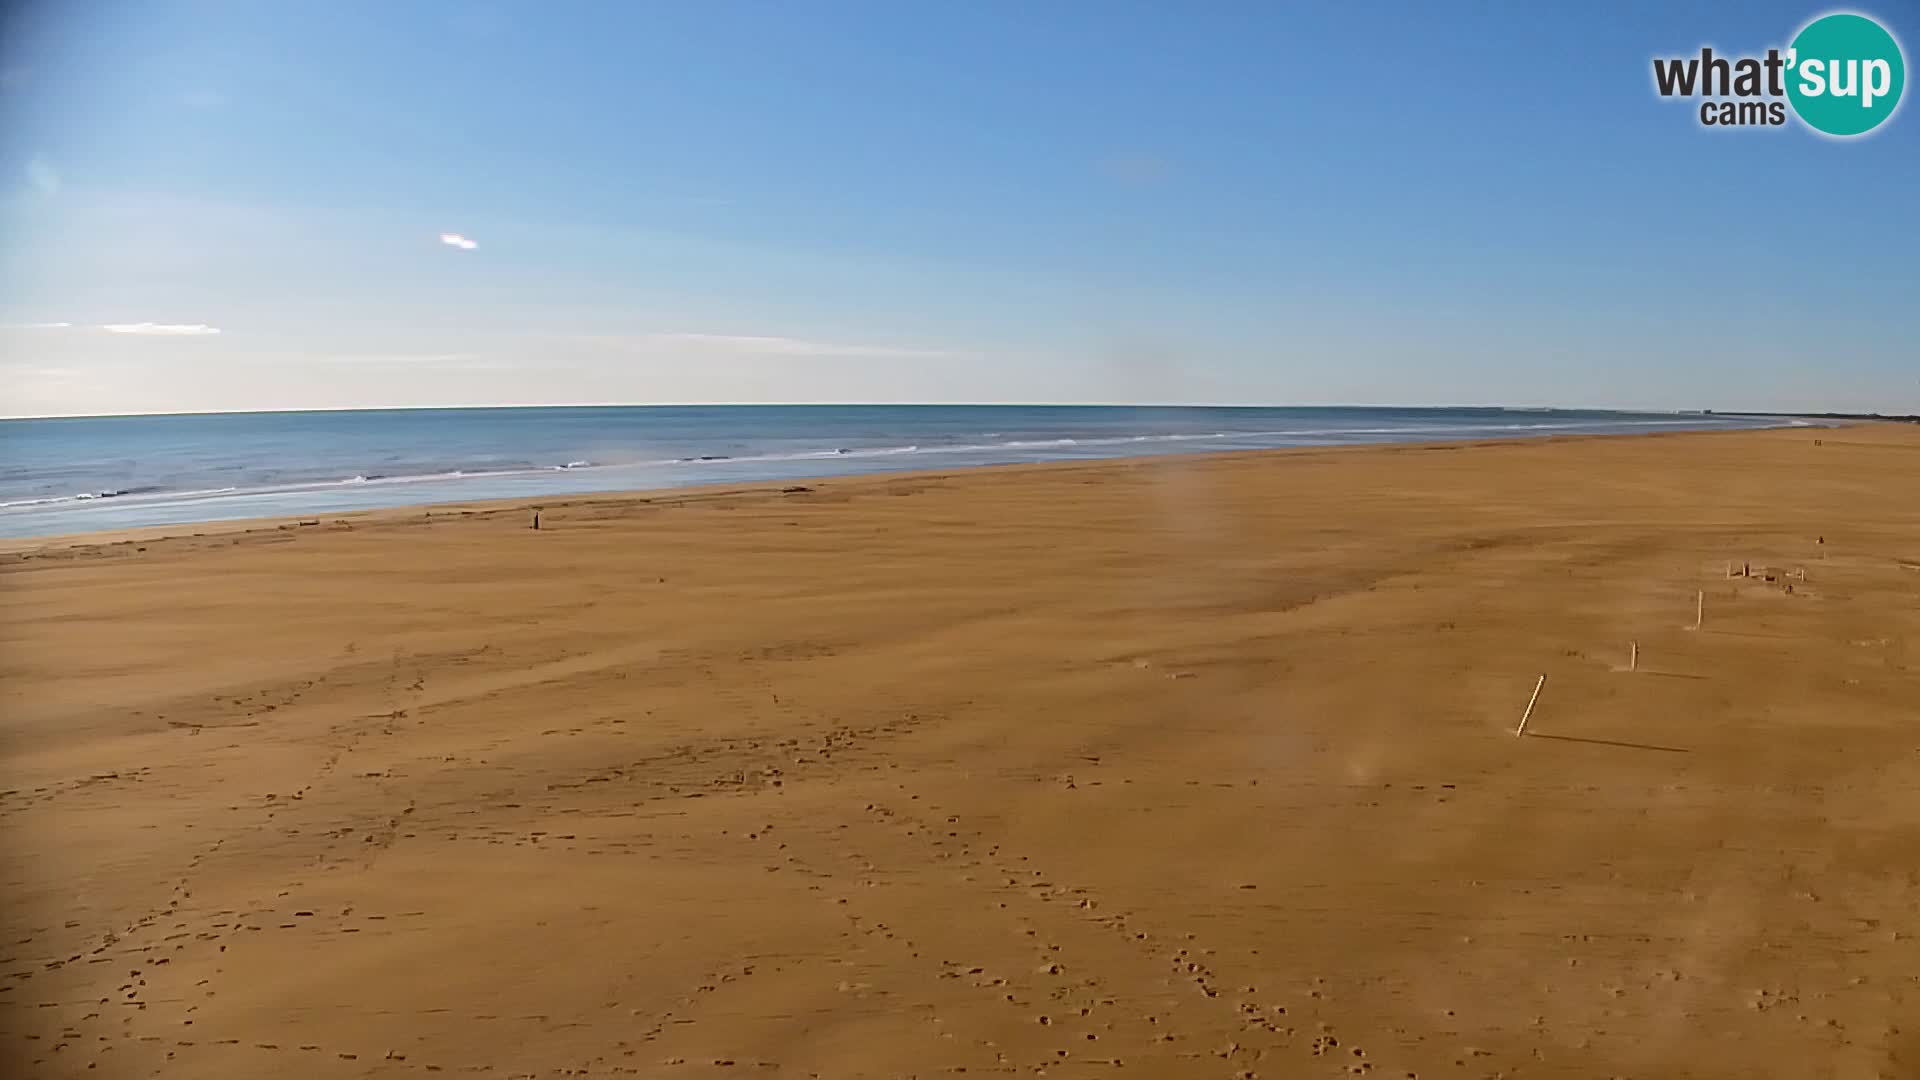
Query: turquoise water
{"points": [[92, 473]]}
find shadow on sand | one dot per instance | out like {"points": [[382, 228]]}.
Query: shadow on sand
{"points": [[1610, 742]]}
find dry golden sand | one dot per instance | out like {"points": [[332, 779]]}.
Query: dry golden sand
{"points": [[1195, 767]]}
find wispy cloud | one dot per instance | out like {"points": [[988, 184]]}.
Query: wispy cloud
{"points": [[150, 329], [39, 371], [141, 329], [768, 345], [42, 175], [460, 360], [454, 239]]}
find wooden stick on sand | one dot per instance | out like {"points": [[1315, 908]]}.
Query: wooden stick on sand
{"points": [[1524, 717]]}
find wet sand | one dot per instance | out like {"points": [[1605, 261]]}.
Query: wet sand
{"points": [[1179, 767]]}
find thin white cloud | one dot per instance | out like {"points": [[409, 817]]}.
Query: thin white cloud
{"points": [[454, 239], [150, 329], [143, 329], [768, 345], [42, 175], [408, 360]]}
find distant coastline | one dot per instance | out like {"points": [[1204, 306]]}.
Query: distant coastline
{"points": [[1897, 418]]}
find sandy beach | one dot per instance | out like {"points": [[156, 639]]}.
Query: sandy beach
{"points": [[1183, 767]]}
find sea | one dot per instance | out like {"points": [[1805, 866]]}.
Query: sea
{"points": [[83, 474]]}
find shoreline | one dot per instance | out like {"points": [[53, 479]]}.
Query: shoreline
{"points": [[22, 545], [195, 469]]}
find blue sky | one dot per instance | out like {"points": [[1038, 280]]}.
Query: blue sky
{"points": [[1078, 202]]}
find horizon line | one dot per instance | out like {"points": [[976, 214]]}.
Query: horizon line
{"points": [[926, 405]]}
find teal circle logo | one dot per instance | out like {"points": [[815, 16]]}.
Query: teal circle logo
{"points": [[1845, 74]]}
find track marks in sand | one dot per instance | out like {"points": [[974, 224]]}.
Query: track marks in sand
{"points": [[178, 927], [1026, 968]]}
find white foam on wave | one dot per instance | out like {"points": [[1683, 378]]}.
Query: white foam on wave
{"points": [[134, 494]]}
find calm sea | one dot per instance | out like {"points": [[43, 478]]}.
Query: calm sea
{"points": [[84, 474]]}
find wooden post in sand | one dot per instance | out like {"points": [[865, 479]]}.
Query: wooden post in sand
{"points": [[1699, 609], [1525, 716], [1633, 656]]}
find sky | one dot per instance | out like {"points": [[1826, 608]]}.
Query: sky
{"points": [[227, 204]]}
